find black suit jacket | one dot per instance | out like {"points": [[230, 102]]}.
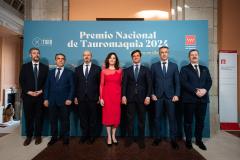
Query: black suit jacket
{"points": [[26, 78], [190, 82], [87, 87], [142, 86]]}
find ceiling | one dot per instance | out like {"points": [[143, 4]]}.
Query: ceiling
{"points": [[16, 4]]}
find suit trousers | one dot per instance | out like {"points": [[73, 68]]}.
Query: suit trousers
{"points": [[161, 105], [33, 112], [136, 107], [88, 117], [57, 112], [199, 110]]}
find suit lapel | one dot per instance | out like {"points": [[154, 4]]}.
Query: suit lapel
{"points": [[132, 72], [54, 75], [91, 70], [168, 68], [193, 70], [160, 66], [61, 75], [139, 72], [201, 71], [81, 70], [31, 69], [39, 71]]}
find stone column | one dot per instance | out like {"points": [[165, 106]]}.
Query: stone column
{"points": [[46, 10], [204, 10]]}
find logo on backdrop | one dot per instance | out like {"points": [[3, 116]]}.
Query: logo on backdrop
{"points": [[37, 42], [223, 61], [190, 41]]}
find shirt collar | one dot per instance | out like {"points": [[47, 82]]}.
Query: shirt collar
{"points": [[62, 68], [134, 64], [164, 61], [195, 64], [89, 64], [35, 63]]}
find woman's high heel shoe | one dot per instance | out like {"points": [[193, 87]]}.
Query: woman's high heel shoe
{"points": [[109, 144], [115, 142]]}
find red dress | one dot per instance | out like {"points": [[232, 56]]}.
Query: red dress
{"points": [[110, 92]]}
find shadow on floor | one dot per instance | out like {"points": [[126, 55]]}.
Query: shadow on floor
{"points": [[100, 151]]}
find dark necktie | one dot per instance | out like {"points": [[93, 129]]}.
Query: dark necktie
{"points": [[164, 69], [58, 74], [196, 69], [136, 72], [35, 70], [86, 71]]}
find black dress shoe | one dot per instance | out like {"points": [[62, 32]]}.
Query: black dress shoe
{"points": [[38, 140], [83, 140], [141, 144], [188, 145], [156, 142], [201, 145], [52, 141], [128, 142], [174, 145], [65, 141], [91, 140], [27, 141]]}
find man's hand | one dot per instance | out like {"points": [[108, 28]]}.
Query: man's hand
{"points": [[32, 93], [68, 102], [201, 92], [45, 103], [175, 99], [124, 100], [147, 101], [154, 98], [76, 101], [37, 93]]}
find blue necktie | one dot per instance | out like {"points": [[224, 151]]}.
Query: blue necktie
{"points": [[136, 72], [35, 70], [164, 69], [58, 74]]}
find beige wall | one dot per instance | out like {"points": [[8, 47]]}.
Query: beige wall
{"points": [[90, 10], [10, 62], [229, 31], [229, 25]]}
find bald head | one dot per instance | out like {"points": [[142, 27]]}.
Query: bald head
{"points": [[87, 56]]}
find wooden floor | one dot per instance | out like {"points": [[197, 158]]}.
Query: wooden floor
{"points": [[100, 151]]}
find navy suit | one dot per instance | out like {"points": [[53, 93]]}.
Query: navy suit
{"points": [[164, 88], [193, 105], [136, 92], [57, 92], [87, 93]]}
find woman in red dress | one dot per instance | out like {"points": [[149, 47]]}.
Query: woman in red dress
{"points": [[110, 96]]}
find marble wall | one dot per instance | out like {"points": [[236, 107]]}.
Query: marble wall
{"points": [[204, 10]]}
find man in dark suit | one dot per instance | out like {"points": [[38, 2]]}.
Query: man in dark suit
{"points": [[32, 79], [195, 83], [166, 91], [87, 96], [136, 92], [58, 96]]}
